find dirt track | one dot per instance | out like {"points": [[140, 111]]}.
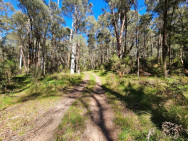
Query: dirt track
{"points": [[45, 126], [100, 127]]}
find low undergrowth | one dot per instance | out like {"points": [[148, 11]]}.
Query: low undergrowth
{"points": [[143, 105]]}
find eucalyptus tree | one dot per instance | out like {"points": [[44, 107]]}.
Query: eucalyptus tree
{"points": [[103, 39], [5, 20], [119, 10], [81, 44], [92, 27], [162, 8], [58, 34], [39, 21], [77, 9], [144, 24], [19, 26], [5, 24], [180, 30]]}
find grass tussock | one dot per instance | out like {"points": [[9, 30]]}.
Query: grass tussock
{"points": [[142, 105]]}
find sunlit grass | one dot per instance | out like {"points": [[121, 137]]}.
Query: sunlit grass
{"points": [[141, 105], [37, 89], [73, 123]]}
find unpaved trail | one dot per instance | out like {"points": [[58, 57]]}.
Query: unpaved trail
{"points": [[100, 126], [45, 126]]}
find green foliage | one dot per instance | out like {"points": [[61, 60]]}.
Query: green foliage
{"points": [[151, 66], [120, 66], [7, 70]]}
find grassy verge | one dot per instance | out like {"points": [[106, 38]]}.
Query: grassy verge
{"points": [[24, 88], [74, 122], [30, 98], [142, 105]]}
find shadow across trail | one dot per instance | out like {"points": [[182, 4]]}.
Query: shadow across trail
{"points": [[137, 100], [100, 114]]}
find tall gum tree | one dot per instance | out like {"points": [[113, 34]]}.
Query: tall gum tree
{"points": [[38, 13], [77, 9], [119, 10], [161, 7]]}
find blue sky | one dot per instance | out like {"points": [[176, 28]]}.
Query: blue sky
{"points": [[97, 6]]}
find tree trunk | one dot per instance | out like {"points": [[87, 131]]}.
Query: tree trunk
{"points": [[38, 56], [24, 60], [119, 35], [69, 51], [73, 57], [144, 40], [181, 56], [158, 49], [78, 60], [165, 47], [125, 46], [20, 67], [138, 50], [151, 45]]}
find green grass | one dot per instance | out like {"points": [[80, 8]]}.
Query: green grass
{"points": [[24, 88], [145, 103], [91, 82], [73, 123]]}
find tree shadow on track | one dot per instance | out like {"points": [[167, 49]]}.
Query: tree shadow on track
{"points": [[100, 122]]}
